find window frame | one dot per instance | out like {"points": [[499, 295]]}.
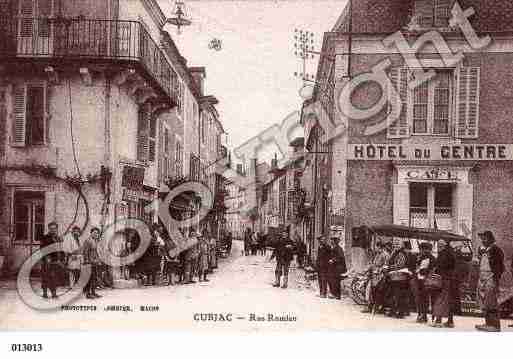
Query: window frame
{"points": [[435, 18], [32, 237], [430, 121], [24, 115]]}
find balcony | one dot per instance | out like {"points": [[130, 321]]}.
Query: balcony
{"points": [[60, 40]]}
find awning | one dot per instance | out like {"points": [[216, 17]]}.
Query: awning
{"points": [[429, 234]]}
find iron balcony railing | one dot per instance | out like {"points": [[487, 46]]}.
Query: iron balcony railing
{"points": [[92, 39]]}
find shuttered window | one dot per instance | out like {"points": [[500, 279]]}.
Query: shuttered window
{"points": [[428, 108], [152, 139], [142, 135], [29, 115], [467, 102], [27, 14], [432, 13], [178, 159], [44, 10]]}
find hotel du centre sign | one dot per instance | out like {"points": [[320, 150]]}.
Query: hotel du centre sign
{"points": [[431, 152]]}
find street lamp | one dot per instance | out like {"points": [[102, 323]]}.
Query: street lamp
{"points": [[180, 17]]}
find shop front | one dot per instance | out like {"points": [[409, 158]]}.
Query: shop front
{"points": [[433, 197]]}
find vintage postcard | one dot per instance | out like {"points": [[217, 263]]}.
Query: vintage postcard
{"points": [[256, 165]]}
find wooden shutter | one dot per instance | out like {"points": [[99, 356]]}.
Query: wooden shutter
{"points": [[142, 136], [19, 116], [467, 102], [464, 194], [27, 18], [400, 128], [401, 202], [44, 11], [152, 151]]}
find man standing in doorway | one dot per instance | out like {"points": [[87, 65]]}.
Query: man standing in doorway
{"points": [[52, 264], [491, 268]]}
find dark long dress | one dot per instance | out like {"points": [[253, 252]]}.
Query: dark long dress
{"points": [[445, 264]]}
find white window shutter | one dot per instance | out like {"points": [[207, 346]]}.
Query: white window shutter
{"points": [[401, 203], [400, 128], [19, 116], [467, 102], [464, 206]]}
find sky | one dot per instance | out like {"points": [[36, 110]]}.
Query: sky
{"points": [[253, 74]]}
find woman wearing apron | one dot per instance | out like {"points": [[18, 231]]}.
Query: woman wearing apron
{"points": [[491, 267]]}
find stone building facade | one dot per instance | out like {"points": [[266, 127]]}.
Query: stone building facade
{"points": [[97, 110], [445, 162]]}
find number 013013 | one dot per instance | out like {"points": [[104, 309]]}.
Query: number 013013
{"points": [[26, 347]]}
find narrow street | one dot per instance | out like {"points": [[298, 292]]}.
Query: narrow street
{"points": [[241, 286]]}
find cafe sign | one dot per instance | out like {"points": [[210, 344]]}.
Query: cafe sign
{"points": [[431, 152], [434, 174]]}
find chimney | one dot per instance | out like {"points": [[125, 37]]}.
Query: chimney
{"points": [[199, 74]]}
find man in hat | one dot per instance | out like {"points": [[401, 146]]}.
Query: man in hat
{"points": [[52, 264], [73, 249], [322, 264], [424, 266], [491, 268], [284, 253], [92, 258], [398, 263], [336, 267]]}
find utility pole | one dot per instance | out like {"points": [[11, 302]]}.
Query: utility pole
{"points": [[304, 50]]}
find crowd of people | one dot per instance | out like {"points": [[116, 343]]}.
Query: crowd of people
{"points": [[395, 276], [161, 263]]}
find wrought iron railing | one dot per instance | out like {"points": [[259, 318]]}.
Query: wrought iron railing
{"points": [[63, 38]]}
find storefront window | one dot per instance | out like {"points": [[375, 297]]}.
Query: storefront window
{"points": [[431, 205]]}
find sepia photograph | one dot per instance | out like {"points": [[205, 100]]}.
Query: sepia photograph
{"points": [[256, 166]]}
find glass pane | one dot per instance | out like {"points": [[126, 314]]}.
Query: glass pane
{"points": [[35, 115], [21, 213], [420, 108], [21, 231], [443, 196], [442, 103], [418, 195], [39, 214]]}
